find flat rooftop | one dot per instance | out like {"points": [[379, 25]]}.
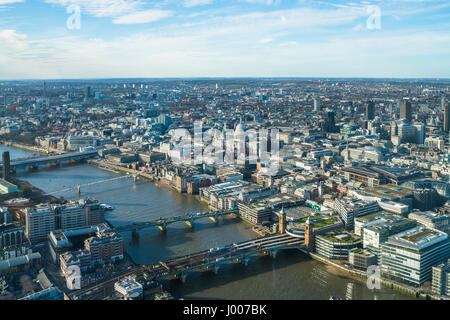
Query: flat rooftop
{"points": [[389, 191], [418, 238], [7, 184]]}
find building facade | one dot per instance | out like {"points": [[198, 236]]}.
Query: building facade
{"points": [[409, 256]]}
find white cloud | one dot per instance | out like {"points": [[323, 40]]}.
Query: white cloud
{"points": [[266, 40], [194, 3], [10, 1], [154, 55], [218, 45], [102, 8], [143, 17], [264, 2]]}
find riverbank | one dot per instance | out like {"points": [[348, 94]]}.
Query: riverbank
{"points": [[26, 147], [361, 277], [333, 268], [260, 231], [297, 276]]}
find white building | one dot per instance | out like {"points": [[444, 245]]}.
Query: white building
{"points": [[129, 288], [410, 255]]}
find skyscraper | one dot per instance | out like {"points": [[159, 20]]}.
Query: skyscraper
{"points": [[330, 122], [316, 104], [370, 110], [87, 92], [44, 90], [405, 110], [446, 118], [6, 165]]}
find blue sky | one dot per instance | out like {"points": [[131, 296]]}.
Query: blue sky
{"points": [[219, 38]]}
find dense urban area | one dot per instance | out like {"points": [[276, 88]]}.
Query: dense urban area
{"points": [[357, 178]]}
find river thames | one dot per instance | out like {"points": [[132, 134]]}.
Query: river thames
{"points": [[292, 275]]}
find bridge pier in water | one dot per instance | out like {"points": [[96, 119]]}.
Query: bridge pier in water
{"points": [[213, 219], [162, 227], [274, 253], [55, 164], [32, 168], [216, 269], [135, 235], [190, 223]]}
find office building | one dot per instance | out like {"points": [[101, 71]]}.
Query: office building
{"points": [[447, 118], [405, 110], [330, 123], [361, 259], [431, 219], [370, 110], [336, 245], [409, 256], [87, 93], [44, 218], [5, 165], [376, 228], [349, 208], [440, 282]]}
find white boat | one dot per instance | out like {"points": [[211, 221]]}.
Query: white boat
{"points": [[106, 206]]}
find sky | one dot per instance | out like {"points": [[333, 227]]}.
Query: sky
{"points": [[48, 39]]}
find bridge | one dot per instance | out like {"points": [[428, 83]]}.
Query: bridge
{"points": [[33, 162], [162, 223], [207, 260], [78, 187]]}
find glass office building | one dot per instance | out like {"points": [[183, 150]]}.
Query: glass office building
{"points": [[409, 256]]}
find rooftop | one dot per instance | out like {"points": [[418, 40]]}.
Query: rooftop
{"points": [[341, 237], [418, 238]]}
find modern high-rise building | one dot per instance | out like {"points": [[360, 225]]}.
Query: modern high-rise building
{"points": [[330, 122], [410, 255], [42, 219], [405, 110], [87, 92], [39, 222], [316, 104], [5, 165], [447, 118], [370, 110], [440, 282], [44, 90]]}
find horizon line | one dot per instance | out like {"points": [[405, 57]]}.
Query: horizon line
{"points": [[226, 78]]}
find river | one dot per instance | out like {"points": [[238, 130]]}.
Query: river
{"points": [[292, 275]]}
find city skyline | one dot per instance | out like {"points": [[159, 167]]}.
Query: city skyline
{"points": [[218, 39]]}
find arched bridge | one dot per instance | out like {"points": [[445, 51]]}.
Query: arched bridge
{"points": [[162, 223], [34, 162], [212, 259]]}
